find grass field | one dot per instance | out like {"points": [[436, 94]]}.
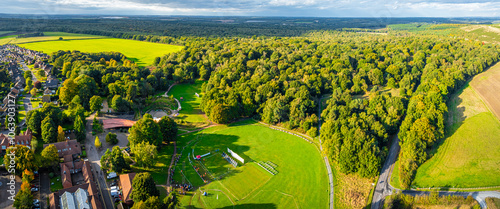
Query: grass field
{"points": [[301, 182], [160, 169], [191, 112], [5, 32], [142, 53], [48, 36], [469, 155]]}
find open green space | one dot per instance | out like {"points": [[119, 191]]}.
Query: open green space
{"points": [[301, 182], [142, 53], [160, 169], [5, 32], [55, 184], [468, 158], [190, 103], [48, 36]]}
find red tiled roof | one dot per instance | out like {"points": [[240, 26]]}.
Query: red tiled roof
{"points": [[117, 123], [126, 183]]}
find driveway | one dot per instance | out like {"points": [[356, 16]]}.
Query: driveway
{"points": [[44, 188]]}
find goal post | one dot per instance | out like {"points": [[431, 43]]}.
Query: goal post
{"points": [[233, 154]]}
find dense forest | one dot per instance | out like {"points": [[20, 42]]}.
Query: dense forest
{"points": [[177, 26], [281, 80]]}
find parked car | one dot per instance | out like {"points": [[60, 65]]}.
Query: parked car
{"points": [[117, 199], [36, 201], [114, 188], [34, 189], [112, 175], [113, 183]]}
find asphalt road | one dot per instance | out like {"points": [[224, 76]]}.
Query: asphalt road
{"points": [[94, 156], [383, 187], [327, 162], [44, 188]]}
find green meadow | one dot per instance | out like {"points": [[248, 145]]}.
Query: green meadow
{"points": [[469, 157], [301, 179], [142, 53], [190, 113]]}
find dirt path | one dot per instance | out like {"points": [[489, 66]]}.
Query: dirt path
{"points": [[171, 164]]}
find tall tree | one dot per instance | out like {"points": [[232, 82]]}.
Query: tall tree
{"points": [[50, 157], [68, 90], [168, 128], [145, 130], [145, 154], [144, 187], [49, 131], [60, 134], [95, 103]]}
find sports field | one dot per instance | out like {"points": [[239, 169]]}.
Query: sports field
{"points": [[469, 156], [301, 179], [142, 53]]}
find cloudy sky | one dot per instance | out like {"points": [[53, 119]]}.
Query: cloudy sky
{"points": [[309, 8]]}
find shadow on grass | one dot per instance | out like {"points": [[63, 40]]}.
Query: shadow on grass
{"points": [[248, 205]]}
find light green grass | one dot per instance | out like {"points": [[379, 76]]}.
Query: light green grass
{"points": [[57, 184], [160, 169], [142, 53], [48, 36], [191, 112], [5, 32], [301, 182], [468, 158]]}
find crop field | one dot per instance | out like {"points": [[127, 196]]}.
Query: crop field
{"points": [[469, 155], [487, 85], [300, 179], [48, 36], [190, 103], [142, 53]]}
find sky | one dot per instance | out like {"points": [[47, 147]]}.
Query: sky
{"points": [[294, 8]]}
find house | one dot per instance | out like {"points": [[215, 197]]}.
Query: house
{"points": [[48, 91], [46, 98], [52, 82], [69, 147], [85, 196], [23, 139], [126, 184]]}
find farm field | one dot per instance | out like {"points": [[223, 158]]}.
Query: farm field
{"points": [[301, 179], [190, 103], [5, 32], [142, 53], [469, 155], [487, 85], [48, 36]]}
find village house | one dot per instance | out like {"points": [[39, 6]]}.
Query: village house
{"points": [[23, 139]]}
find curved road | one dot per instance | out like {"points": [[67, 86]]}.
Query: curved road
{"points": [[327, 162], [384, 187]]}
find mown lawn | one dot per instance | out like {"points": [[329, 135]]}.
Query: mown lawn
{"points": [[160, 170], [190, 103], [301, 181], [468, 158], [55, 184], [142, 53]]}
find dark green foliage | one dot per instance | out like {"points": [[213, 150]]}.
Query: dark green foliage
{"points": [[35, 117], [168, 128], [49, 131], [119, 104], [145, 130], [144, 187], [95, 103], [97, 126], [114, 160], [80, 129], [404, 201], [111, 138], [23, 199]]}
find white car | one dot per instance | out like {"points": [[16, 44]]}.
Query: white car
{"points": [[114, 188], [112, 175]]}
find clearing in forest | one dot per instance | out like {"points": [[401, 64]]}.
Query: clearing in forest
{"points": [[299, 180]]}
